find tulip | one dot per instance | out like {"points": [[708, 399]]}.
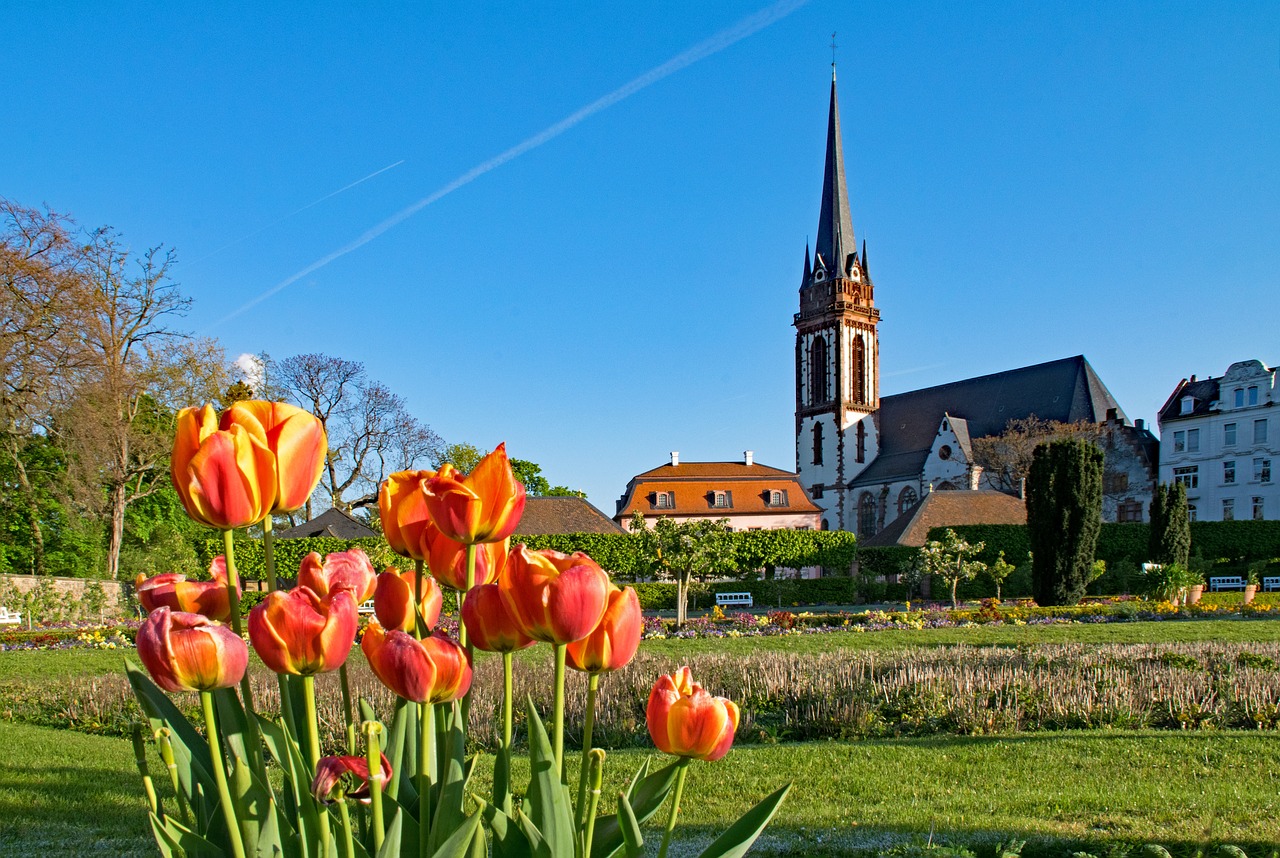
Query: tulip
{"points": [[341, 570], [435, 669], [393, 600], [189, 652], [447, 560], [484, 506], [402, 506], [174, 591], [332, 769], [686, 721], [225, 478], [491, 626], [298, 632], [296, 440], [615, 640], [557, 598]]}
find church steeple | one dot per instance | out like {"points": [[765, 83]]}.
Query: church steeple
{"points": [[835, 226]]}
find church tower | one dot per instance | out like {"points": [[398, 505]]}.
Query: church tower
{"points": [[837, 348]]}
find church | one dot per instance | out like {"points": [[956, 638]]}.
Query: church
{"points": [[867, 459]]}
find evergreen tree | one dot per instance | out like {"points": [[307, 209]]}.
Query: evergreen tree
{"points": [[1064, 517], [1170, 540]]}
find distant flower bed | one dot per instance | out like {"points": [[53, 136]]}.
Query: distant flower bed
{"points": [[70, 636]]}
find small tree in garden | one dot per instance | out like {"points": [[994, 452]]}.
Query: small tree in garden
{"points": [[1170, 535], [999, 571], [951, 559], [684, 550], [1064, 517]]}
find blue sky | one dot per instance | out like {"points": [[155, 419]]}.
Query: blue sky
{"points": [[1035, 180]]}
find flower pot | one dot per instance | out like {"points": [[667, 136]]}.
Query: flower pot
{"points": [[1250, 590], [1194, 594]]}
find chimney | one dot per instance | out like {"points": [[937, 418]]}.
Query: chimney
{"points": [[1111, 415], [749, 457], [675, 457], [1139, 424], [1193, 378]]}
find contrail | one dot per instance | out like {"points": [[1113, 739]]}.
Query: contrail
{"points": [[281, 220], [725, 38]]}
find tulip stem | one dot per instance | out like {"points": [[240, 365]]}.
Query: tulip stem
{"points": [[419, 622], [557, 714], [681, 771], [313, 741], [463, 637], [140, 757], [596, 773], [588, 725], [344, 817], [220, 774], [346, 709], [373, 753], [507, 659], [166, 756], [427, 729], [237, 625], [269, 552]]}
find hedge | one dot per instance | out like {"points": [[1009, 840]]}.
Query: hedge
{"points": [[251, 565]]}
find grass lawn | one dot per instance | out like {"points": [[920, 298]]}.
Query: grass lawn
{"points": [[1058, 790]]}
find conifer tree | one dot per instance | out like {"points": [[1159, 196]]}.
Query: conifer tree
{"points": [[1170, 540], [1064, 517]]}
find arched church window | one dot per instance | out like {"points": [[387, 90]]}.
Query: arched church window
{"points": [[866, 515], [818, 371], [907, 499], [859, 370], [817, 443]]}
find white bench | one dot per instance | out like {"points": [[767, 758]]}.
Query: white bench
{"points": [[1226, 582], [1271, 583], [724, 600], [366, 607], [9, 618]]}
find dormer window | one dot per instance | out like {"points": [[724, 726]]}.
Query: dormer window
{"points": [[773, 497], [721, 500], [1188, 404], [664, 500]]}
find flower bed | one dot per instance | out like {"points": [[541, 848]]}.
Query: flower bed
{"points": [[69, 636]]}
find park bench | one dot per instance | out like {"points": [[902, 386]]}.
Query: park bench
{"points": [[724, 600], [10, 618], [1226, 582], [366, 607], [1271, 583]]}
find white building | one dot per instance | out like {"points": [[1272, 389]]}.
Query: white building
{"points": [[1220, 437]]}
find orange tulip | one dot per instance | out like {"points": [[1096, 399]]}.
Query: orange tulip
{"points": [[615, 640], [190, 652], [483, 507], [489, 622], [341, 570], [432, 670], [557, 598], [447, 559], [295, 631], [402, 505], [686, 721], [225, 479], [173, 590], [297, 441], [331, 770], [393, 600]]}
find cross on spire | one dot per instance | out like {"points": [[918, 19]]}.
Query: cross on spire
{"points": [[833, 56]]}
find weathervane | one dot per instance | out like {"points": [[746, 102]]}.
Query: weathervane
{"points": [[833, 54]]}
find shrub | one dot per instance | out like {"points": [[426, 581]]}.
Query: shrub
{"points": [[1064, 514]]}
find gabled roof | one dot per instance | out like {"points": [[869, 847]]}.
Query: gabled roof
{"points": [[1204, 391], [563, 515], [960, 427], [332, 522], [1067, 390], [693, 486], [949, 509]]}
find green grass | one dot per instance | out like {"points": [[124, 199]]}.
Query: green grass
{"points": [[71, 794], [61, 663]]}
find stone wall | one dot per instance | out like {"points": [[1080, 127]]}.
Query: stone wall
{"points": [[64, 599]]}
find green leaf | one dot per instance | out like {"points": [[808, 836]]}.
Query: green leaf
{"points": [[508, 838], [548, 804], [502, 779], [459, 843], [190, 752], [391, 843], [645, 796], [632, 839], [538, 845], [297, 774], [449, 814], [174, 839], [735, 842]]}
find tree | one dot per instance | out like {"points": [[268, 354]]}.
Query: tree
{"points": [[536, 485], [684, 550], [462, 456], [951, 559], [999, 571], [1005, 459], [1170, 531], [1064, 517]]}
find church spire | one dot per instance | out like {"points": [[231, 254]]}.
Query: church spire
{"points": [[835, 226]]}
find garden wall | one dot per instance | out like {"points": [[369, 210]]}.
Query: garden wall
{"points": [[43, 598]]}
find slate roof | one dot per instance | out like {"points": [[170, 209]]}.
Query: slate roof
{"points": [[1067, 390], [835, 226], [331, 522], [948, 509], [563, 515], [1205, 392]]}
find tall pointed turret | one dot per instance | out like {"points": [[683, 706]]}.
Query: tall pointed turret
{"points": [[835, 226]]}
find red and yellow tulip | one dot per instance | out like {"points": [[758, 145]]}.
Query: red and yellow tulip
{"points": [[295, 438], [340, 570], [297, 632], [432, 670], [613, 643], [490, 624], [332, 770], [173, 590], [225, 478], [190, 652], [557, 598], [402, 506], [686, 721], [484, 506], [393, 600], [447, 559]]}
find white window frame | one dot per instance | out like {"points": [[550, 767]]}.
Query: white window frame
{"points": [[1239, 397], [1259, 508], [1228, 434], [1262, 470], [1253, 395], [1228, 509], [1228, 472], [1193, 440], [720, 500], [1180, 441], [1188, 476], [1260, 431]]}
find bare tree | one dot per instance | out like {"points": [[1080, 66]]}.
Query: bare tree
{"points": [[1005, 459]]}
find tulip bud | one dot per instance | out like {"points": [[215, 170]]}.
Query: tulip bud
{"points": [[614, 641], [556, 598], [298, 632], [489, 622], [685, 721], [189, 652], [225, 479], [432, 670], [341, 570], [393, 600], [296, 440], [402, 506], [484, 506], [173, 590], [447, 559]]}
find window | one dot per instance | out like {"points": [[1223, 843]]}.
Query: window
{"points": [[1129, 511], [721, 500], [1191, 512], [1229, 434], [1188, 404], [1193, 440], [776, 498], [866, 515], [664, 500], [1228, 472], [817, 443], [1259, 511], [1115, 483], [1189, 477], [1262, 470], [816, 491], [861, 449], [1260, 431], [1180, 441], [1239, 397], [1228, 509], [818, 371], [907, 499], [1253, 396], [859, 370]]}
